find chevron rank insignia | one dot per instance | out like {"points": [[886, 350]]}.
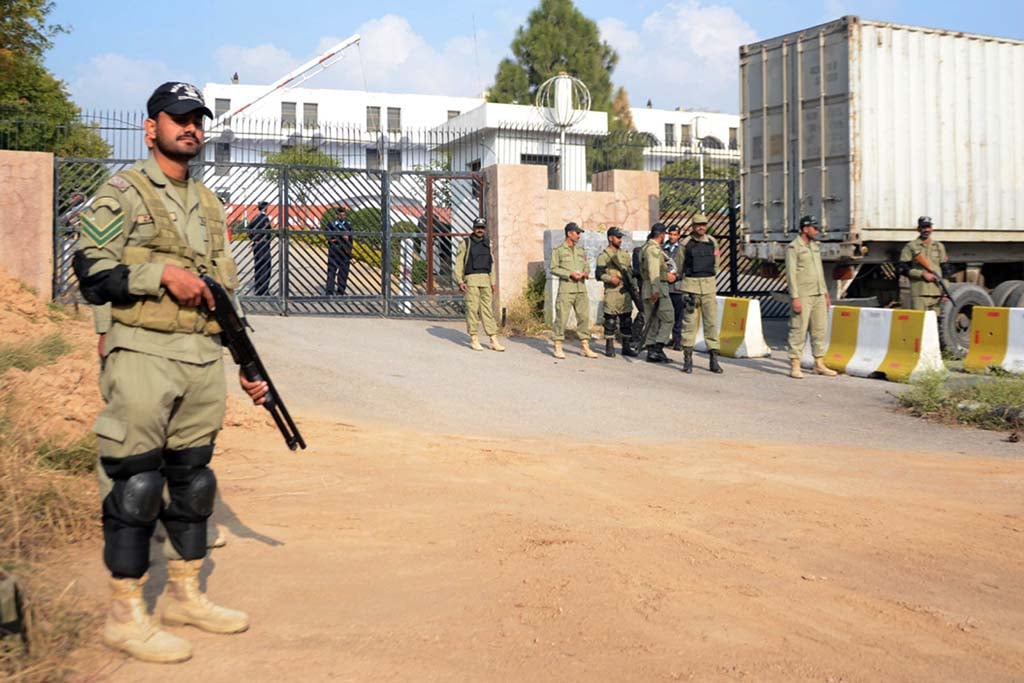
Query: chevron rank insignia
{"points": [[102, 234]]}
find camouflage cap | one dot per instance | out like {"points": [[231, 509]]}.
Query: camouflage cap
{"points": [[699, 219], [615, 232]]}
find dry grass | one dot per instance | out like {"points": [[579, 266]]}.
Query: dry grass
{"points": [[49, 502], [524, 315]]}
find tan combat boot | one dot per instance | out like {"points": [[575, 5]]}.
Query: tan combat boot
{"points": [[495, 344], [188, 606], [794, 369], [821, 369], [474, 342], [131, 629], [585, 350], [559, 353]]}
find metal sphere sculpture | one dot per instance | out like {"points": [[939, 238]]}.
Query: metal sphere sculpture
{"points": [[563, 100]]}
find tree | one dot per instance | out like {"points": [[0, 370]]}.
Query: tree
{"points": [[36, 112], [557, 37], [623, 148]]}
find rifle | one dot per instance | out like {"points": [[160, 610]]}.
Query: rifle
{"points": [[237, 340], [923, 261]]}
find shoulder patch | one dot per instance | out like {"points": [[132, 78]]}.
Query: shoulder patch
{"points": [[119, 183], [106, 203], [101, 234]]}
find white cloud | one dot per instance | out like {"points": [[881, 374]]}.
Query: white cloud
{"points": [[115, 82], [684, 54]]}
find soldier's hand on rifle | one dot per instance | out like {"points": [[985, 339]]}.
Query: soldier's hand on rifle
{"points": [[615, 281], [797, 306], [928, 277], [672, 277], [257, 390], [186, 288]]}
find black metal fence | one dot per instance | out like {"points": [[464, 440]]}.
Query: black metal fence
{"points": [[398, 259], [718, 199]]}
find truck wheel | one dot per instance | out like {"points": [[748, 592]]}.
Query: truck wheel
{"points": [[955, 317], [1006, 292], [1015, 299]]}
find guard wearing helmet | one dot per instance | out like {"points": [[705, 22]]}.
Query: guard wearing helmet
{"points": [[569, 264], [474, 271], [809, 299], [925, 291]]}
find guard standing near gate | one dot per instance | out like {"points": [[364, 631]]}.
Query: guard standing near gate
{"points": [[700, 263], [657, 307], [474, 271], [339, 251], [569, 264], [925, 290], [612, 265], [260, 235], [147, 235], [674, 250], [809, 299]]}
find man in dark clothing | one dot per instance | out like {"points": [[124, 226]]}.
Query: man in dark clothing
{"points": [[339, 251], [260, 234]]}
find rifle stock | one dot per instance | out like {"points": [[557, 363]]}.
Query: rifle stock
{"points": [[244, 353]]}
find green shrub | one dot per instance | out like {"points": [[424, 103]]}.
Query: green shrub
{"points": [[32, 354]]}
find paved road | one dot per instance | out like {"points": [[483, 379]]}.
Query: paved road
{"points": [[421, 375]]}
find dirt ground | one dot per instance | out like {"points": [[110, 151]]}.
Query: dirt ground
{"points": [[764, 531], [383, 554]]}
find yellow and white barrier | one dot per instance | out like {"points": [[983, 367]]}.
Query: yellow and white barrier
{"points": [[997, 339], [740, 332], [897, 343]]}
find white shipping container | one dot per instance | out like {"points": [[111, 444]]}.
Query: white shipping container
{"points": [[869, 125]]}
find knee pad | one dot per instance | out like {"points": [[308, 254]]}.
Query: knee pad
{"points": [[609, 324], [130, 511], [192, 488]]}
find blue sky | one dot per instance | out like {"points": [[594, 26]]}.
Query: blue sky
{"points": [[675, 53]]}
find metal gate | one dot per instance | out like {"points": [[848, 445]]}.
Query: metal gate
{"points": [[399, 261], [718, 199]]}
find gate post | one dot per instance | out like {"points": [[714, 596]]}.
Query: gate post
{"points": [[734, 257], [385, 219], [284, 224]]}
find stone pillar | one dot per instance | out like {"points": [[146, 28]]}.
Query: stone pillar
{"points": [[26, 219]]}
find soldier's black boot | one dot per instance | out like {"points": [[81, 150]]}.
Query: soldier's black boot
{"points": [[652, 354], [609, 348], [715, 367], [687, 361], [677, 344]]}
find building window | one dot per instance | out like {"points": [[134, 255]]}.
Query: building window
{"points": [[309, 115], [372, 160], [373, 119], [221, 106], [549, 160], [686, 135], [473, 166], [287, 114], [394, 160], [452, 113], [734, 142], [394, 119], [711, 142], [221, 158], [670, 135]]}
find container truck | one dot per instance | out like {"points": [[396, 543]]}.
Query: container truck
{"points": [[869, 125]]}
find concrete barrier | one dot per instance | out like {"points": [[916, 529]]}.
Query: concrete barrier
{"points": [[740, 332], [997, 339], [898, 344]]}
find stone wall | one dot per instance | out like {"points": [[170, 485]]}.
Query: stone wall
{"points": [[26, 219], [521, 208]]}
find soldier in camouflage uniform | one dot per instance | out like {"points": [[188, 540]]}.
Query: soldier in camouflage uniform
{"points": [[146, 237], [700, 262], [569, 264], [925, 291], [809, 299], [656, 278], [612, 264]]}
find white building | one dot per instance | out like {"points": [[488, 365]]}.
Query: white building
{"points": [[684, 133]]}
